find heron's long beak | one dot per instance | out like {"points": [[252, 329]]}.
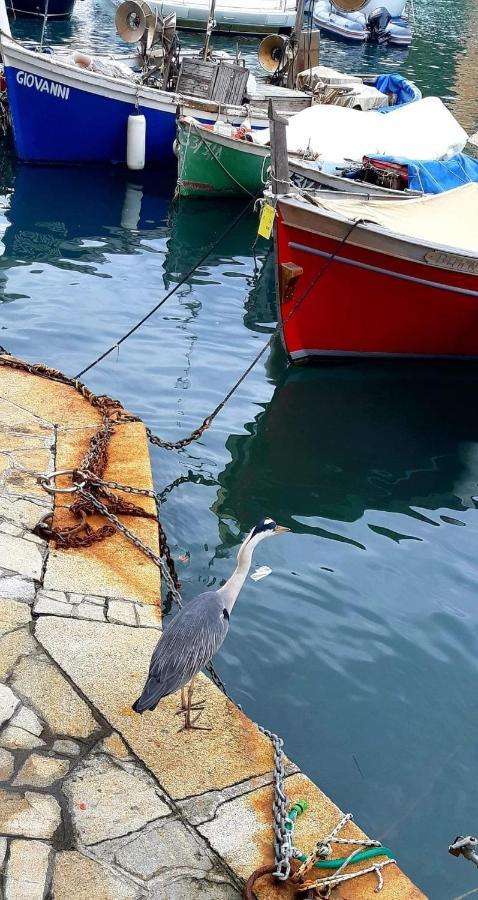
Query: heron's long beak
{"points": [[280, 529]]}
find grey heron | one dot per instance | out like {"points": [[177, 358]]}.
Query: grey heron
{"points": [[197, 632]]}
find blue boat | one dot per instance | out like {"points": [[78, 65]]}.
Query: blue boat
{"points": [[51, 9], [62, 112]]}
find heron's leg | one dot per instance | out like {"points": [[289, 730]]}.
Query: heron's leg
{"points": [[182, 709], [188, 724]]}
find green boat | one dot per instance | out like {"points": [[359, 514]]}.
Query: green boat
{"points": [[215, 164], [212, 164]]}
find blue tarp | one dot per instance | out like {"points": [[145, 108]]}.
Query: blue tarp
{"points": [[405, 91], [435, 177]]}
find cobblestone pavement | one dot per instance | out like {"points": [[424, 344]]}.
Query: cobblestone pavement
{"points": [[97, 803]]}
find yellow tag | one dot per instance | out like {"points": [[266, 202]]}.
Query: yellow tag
{"points": [[266, 222]]}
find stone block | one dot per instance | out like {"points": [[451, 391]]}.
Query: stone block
{"points": [[13, 614], [28, 720], [68, 748], [92, 598], [41, 771], [29, 815], [149, 616], [122, 613], [17, 739], [115, 567], [24, 512], [15, 587], [48, 607], [105, 801], [7, 763], [9, 527], [241, 833], [114, 746], [13, 645], [27, 870], [37, 679], [60, 596], [20, 556], [3, 852], [8, 703], [171, 858], [76, 876], [187, 887], [89, 611]]}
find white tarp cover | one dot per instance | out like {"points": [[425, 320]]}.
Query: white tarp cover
{"points": [[340, 137], [449, 219]]}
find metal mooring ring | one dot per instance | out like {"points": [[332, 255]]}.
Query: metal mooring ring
{"points": [[45, 481], [259, 873]]}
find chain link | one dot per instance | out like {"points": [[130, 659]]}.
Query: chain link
{"points": [[124, 488], [280, 810], [157, 560]]}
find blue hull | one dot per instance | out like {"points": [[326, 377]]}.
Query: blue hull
{"points": [[57, 9], [55, 123]]}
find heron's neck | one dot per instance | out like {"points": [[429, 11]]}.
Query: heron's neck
{"points": [[230, 590]]}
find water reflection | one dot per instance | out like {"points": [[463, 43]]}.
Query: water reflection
{"points": [[337, 441], [57, 214], [196, 225]]}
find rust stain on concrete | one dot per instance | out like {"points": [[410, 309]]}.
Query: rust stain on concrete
{"points": [[113, 567], [241, 833]]}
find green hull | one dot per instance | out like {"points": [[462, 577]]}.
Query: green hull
{"points": [[211, 165]]}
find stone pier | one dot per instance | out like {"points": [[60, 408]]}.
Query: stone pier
{"points": [[97, 803]]}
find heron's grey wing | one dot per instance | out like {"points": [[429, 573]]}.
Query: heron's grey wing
{"points": [[192, 639]]}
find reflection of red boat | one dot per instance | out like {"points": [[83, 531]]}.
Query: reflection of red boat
{"points": [[402, 281]]}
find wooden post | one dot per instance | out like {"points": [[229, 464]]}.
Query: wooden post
{"points": [[294, 42], [280, 161]]}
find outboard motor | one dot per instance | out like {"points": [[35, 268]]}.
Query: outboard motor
{"points": [[377, 24]]}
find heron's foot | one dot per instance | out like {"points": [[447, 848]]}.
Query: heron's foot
{"points": [[191, 725], [200, 705]]}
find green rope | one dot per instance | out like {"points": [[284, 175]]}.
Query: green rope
{"points": [[336, 863], [297, 810]]}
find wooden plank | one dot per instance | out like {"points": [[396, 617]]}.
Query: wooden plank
{"points": [[197, 78], [230, 84]]}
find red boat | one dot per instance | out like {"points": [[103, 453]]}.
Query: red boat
{"points": [[378, 276]]}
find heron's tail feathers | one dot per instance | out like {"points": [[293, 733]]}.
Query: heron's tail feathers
{"points": [[150, 697]]}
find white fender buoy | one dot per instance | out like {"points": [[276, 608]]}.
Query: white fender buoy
{"points": [[136, 142], [131, 212]]}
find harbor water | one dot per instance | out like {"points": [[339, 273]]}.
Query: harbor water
{"points": [[361, 646]]}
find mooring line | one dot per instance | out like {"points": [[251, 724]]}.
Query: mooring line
{"points": [[198, 432], [173, 290], [101, 401]]}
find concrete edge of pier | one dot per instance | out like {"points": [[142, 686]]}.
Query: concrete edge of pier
{"points": [[97, 803]]}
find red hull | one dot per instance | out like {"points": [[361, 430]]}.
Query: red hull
{"points": [[407, 308]]}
